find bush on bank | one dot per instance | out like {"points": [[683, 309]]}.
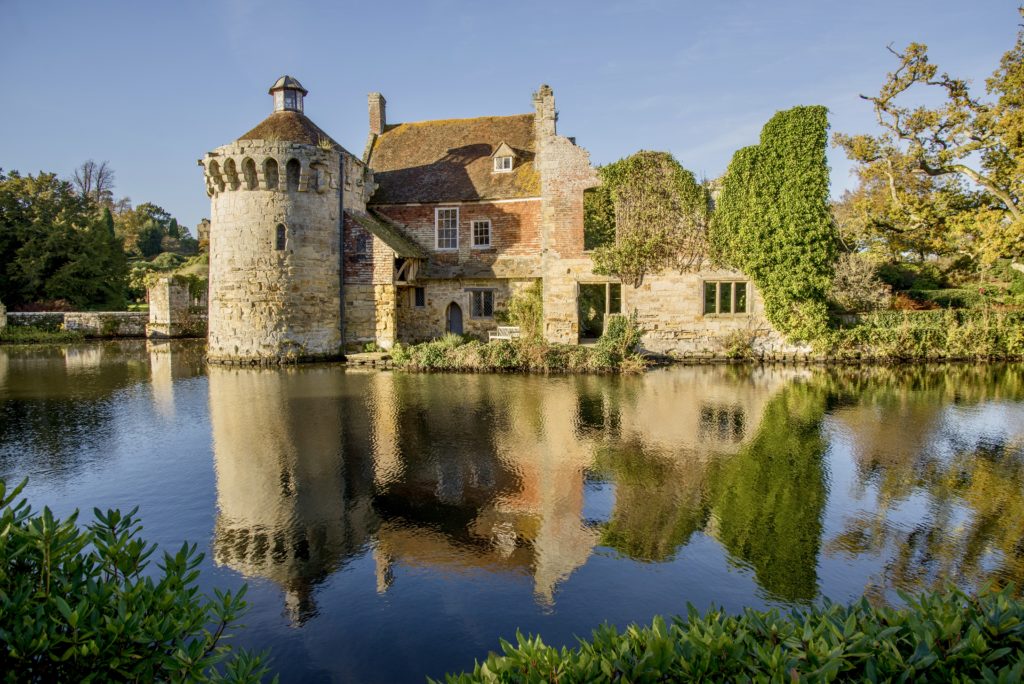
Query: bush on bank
{"points": [[80, 604], [616, 351], [24, 334], [940, 334], [944, 636]]}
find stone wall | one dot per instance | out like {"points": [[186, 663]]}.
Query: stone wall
{"points": [[369, 289], [565, 173], [89, 323], [418, 324], [268, 304], [670, 309], [172, 313]]}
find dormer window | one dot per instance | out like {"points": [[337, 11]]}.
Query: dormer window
{"points": [[504, 158]]}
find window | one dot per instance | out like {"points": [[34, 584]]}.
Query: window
{"points": [[419, 297], [446, 225], [502, 164], [482, 303], [482, 233], [279, 239], [725, 297]]}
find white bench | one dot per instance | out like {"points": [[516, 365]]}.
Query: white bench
{"points": [[504, 332]]}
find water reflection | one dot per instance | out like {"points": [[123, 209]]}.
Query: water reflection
{"points": [[949, 444], [486, 472], [57, 403], [779, 484]]}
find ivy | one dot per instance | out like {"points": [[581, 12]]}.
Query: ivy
{"points": [[657, 212], [773, 221]]}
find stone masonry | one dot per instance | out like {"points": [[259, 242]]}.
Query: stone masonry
{"points": [[268, 303], [312, 249]]}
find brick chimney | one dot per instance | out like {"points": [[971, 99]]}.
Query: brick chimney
{"points": [[378, 120]]}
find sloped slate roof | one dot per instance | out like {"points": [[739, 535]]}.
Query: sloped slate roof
{"points": [[390, 233], [287, 81], [450, 160], [288, 126]]}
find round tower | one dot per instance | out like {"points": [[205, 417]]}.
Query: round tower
{"points": [[275, 264]]}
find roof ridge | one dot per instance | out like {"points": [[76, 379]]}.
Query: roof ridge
{"points": [[390, 126]]}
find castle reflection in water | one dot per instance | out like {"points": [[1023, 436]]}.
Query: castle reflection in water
{"points": [[921, 469], [458, 472]]}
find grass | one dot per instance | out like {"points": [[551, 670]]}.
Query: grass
{"points": [[29, 335]]}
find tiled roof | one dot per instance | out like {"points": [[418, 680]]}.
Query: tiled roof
{"points": [[450, 160], [288, 126]]}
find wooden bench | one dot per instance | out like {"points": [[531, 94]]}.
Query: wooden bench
{"points": [[504, 332]]}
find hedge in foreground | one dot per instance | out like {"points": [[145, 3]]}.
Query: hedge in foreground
{"points": [[80, 605], [938, 637]]}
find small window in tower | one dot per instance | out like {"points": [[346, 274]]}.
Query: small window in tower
{"points": [[419, 297], [279, 239], [502, 164], [289, 99]]}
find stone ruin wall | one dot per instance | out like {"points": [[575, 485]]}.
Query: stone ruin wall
{"points": [[420, 324], [172, 313], [268, 305]]}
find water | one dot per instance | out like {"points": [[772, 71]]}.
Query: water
{"points": [[392, 526]]}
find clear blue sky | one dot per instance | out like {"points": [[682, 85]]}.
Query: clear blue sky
{"points": [[151, 86]]}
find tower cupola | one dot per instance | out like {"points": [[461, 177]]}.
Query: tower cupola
{"points": [[288, 94]]}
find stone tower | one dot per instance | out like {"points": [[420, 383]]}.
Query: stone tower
{"points": [[275, 226]]}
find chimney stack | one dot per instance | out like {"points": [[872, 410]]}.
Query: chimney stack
{"points": [[378, 120]]}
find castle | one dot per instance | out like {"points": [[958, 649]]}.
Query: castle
{"points": [[432, 230]]}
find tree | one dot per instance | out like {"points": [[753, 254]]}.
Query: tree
{"points": [[95, 181], [659, 213], [172, 229], [897, 214], [143, 227], [55, 245], [773, 221], [962, 138]]}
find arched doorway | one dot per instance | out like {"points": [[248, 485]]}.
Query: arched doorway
{"points": [[453, 319]]}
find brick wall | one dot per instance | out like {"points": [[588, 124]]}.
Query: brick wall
{"points": [[515, 237]]}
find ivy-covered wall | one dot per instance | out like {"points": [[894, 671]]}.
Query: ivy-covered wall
{"points": [[773, 220]]}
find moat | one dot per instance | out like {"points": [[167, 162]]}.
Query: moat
{"points": [[394, 525]]}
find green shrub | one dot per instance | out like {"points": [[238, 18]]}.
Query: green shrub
{"points": [[25, 334], [938, 637], [526, 310], [79, 605], [616, 351], [949, 333], [950, 298]]}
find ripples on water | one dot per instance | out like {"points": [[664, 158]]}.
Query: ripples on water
{"points": [[396, 525]]}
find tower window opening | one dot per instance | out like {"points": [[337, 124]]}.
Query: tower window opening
{"points": [[279, 238], [292, 170], [249, 173], [270, 174]]}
